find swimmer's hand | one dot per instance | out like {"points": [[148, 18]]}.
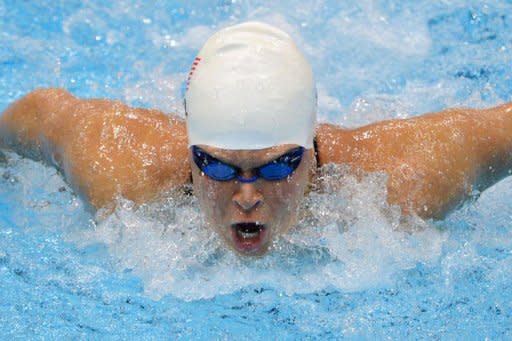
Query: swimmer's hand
{"points": [[104, 148]]}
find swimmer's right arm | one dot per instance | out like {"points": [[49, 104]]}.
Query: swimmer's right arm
{"points": [[104, 148]]}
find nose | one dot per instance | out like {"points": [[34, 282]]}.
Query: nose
{"points": [[248, 197]]}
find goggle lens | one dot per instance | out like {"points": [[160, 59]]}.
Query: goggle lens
{"points": [[275, 171], [278, 169], [219, 171]]}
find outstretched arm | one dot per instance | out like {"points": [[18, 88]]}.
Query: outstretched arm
{"points": [[434, 161], [104, 148]]}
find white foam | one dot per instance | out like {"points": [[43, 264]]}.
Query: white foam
{"points": [[327, 104], [85, 17], [348, 238], [158, 90], [405, 35], [196, 36]]}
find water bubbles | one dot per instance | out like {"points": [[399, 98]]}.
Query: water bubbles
{"points": [[348, 244], [347, 238]]}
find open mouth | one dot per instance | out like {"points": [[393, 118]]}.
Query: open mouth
{"points": [[249, 237]]}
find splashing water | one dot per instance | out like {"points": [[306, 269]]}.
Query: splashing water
{"points": [[352, 268], [349, 239]]}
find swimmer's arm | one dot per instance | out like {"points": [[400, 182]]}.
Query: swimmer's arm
{"points": [[105, 149], [434, 162]]}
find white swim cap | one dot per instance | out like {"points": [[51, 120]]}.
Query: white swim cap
{"points": [[250, 88]]}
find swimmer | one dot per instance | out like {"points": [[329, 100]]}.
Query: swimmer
{"points": [[250, 142]]}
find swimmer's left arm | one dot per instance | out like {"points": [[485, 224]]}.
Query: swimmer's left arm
{"points": [[434, 162]]}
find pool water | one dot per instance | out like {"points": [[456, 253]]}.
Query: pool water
{"points": [[352, 269]]}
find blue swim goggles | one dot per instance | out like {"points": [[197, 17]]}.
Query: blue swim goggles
{"points": [[275, 170]]}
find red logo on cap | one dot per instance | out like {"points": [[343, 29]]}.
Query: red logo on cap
{"points": [[192, 69]]}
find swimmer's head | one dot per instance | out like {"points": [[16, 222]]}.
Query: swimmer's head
{"points": [[250, 103], [250, 213], [250, 88]]}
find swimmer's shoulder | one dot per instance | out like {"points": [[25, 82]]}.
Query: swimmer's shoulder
{"points": [[332, 144], [135, 153]]}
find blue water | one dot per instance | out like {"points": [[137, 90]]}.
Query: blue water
{"points": [[353, 269]]}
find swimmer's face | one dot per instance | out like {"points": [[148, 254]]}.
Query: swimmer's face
{"points": [[248, 216]]}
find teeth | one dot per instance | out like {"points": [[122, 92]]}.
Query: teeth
{"points": [[248, 230], [248, 235]]}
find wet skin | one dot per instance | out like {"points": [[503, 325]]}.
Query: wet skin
{"points": [[106, 149], [263, 209]]}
